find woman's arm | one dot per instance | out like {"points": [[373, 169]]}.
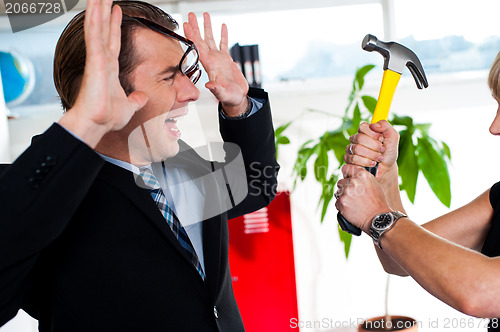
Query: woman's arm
{"points": [[467, 226], [459, 276]]}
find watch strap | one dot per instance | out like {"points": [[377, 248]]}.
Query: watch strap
{"points": [[377, 234]]}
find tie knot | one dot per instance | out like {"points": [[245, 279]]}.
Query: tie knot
{"points": [[148, 177]]}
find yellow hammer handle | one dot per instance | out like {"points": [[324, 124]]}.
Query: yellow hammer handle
{"points": [[390, 81]]}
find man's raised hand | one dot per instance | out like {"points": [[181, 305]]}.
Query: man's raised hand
{"points": [[101, 105], [226, 81]]}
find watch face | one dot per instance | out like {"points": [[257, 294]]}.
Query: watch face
{"points": [[383, 220]]}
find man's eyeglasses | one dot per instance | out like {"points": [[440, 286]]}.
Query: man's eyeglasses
{"points": [[188, 65]]}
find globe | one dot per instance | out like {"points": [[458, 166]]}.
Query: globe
{"points": [[18, 77]]}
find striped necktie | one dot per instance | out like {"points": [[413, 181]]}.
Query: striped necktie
{"points": [[161, 201]]}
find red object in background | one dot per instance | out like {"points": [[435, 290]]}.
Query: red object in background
{"points": [[263, 268]]}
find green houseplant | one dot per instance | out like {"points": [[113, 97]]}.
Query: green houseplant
{"points": [[323, 156]]}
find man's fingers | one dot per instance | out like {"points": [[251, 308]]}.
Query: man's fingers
{"points": [[92, 30], [209, 36], [193, 23], [224, 39], [192, 32], [188, 31], [217, 89], [115, 31], [105, 8], [213, 86]]}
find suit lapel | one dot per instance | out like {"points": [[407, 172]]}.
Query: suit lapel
{"points": [[212, 242], [124, 182], [212, 246]]}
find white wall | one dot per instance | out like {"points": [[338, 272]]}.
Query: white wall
{"points": [[329, 287]]}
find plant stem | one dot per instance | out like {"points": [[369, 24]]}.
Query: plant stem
{"points": [[387, 316], [312, 110]]}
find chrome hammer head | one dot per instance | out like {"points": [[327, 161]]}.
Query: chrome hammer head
{"points": [[396, 57]]}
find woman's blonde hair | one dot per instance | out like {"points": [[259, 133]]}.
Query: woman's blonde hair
{"points": [[494, 78]]}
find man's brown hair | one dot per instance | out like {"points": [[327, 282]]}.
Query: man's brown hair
{"points": [[69, 57]]}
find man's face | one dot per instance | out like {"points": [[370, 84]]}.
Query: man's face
{"points": [[169, 92]]}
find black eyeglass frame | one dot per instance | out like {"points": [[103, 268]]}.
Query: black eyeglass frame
{"points": [[194, 71]]}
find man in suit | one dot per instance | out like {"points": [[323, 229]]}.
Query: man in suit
{"points": [[87, 241]]}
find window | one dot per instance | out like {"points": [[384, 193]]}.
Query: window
{"points": [[448, 36], [307, 43]]}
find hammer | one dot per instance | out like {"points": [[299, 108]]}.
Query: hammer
{"points": [[396, 57]]}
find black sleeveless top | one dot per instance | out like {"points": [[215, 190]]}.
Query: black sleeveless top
{"points": [[491, 246]]}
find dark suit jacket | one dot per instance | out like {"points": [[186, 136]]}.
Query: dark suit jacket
{"points": [[83, 248]]}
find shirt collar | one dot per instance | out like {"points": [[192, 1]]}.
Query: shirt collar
{"points": [[123, 164]]}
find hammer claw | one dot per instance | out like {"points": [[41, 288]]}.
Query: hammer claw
{"points": [[418, 75]]}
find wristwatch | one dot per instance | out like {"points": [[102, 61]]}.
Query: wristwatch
{"points": [[382, 223]]}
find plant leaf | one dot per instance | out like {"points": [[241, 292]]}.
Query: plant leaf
{"points": [[349, 104], [356, 117], [360, 76], [408, 164], [356, 120], [283, 140], [424, 127], [302, 173], [321, 163], [346, 239], [402, 121], [369, 102], [435, 170], [282, 128], [303, 155], [326, 202], [446, 150], [327, 194], [279, 137], [337, 142]]}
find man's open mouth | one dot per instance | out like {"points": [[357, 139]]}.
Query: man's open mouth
{"points": [[174, 120], [172, 117]]}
